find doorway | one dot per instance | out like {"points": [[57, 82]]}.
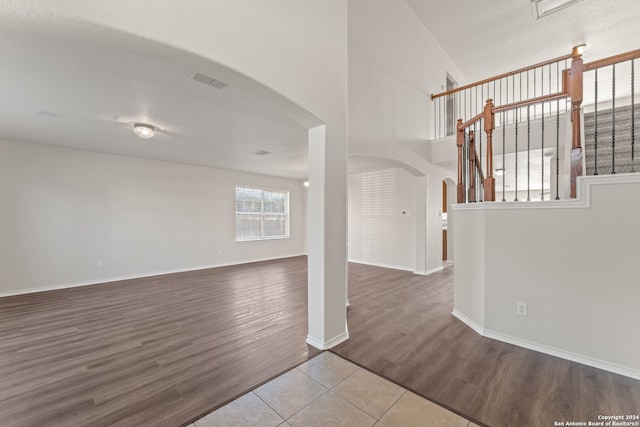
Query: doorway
{"points": [[444, 221], [448, 198]]}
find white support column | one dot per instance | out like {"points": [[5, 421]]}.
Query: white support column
{"points": [[327, 240]]}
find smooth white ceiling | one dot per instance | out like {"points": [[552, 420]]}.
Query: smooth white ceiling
{"points": [[98, 86], [490, 37]]}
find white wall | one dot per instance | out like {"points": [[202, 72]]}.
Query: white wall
{"points": [[395, 64], [65, 209], [383, 231], [573, 262]]}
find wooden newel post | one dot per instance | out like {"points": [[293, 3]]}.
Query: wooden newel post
{"points": [[460, 144], [575, 92], [489, 126]]}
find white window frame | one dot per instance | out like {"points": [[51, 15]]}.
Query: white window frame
{"points": [[263, 214]]}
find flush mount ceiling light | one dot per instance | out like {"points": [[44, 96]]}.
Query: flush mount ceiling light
{"points": [[542, 8], [499, 172], [144, 131], [306, 183]]}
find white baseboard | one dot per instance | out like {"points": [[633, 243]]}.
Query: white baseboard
{"points": [[552, 351], [433, 270], [322, 345], [130, 276], [377, 264], [397, 267], [568, 355]]}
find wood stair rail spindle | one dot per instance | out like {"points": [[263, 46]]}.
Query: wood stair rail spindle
{"points": [[471, 196], [460, 144], [489, 126], [575, 92]]}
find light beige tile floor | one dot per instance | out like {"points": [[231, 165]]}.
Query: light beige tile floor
{"points": [[330, 391]]}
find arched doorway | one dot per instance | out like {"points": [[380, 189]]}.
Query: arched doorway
{"points": [[448, 199]]}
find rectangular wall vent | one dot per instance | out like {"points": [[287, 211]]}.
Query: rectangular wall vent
{"points": [[210, 81]]}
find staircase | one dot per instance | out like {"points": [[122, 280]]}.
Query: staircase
{"points": [[607, 147], [623, 163]]}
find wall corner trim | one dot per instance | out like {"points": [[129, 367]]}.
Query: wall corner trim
{"points": [[467, 321]]}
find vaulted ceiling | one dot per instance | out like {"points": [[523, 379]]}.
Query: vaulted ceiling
{"points": [[490, 37]]}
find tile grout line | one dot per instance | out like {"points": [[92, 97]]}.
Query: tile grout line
{"points": [[269, 406], [362, 409], [336, 394], [301, 409], [348, 376], [331, 390], [394, 403], [417, 393]]}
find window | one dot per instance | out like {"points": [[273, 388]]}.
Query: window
{"points": [[261, 214]]}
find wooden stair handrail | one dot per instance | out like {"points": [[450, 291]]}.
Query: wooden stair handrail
{"points": [[532, 101], [622, 57], [501, 76], [473, 120]]}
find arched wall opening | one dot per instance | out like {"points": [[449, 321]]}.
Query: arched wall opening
{"points": [[449, 224], [326, 138]]}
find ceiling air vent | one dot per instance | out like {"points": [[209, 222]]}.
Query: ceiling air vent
{"points": [[261, 153], [201, 78]]}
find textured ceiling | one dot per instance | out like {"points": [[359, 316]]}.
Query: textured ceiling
{"points": [[486, 38], [64, 89]]}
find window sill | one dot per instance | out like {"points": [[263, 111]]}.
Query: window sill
{"points": [[263, 239]]}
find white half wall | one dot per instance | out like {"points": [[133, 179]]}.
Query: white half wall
{"points": [[63, 210], [572, 262]]}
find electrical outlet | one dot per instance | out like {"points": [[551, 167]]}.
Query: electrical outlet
{"points": [[522, 308], [100, 263]]}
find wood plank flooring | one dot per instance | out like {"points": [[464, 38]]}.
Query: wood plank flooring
{"points": [[158, 351], [165, 350], [401, 327]]}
